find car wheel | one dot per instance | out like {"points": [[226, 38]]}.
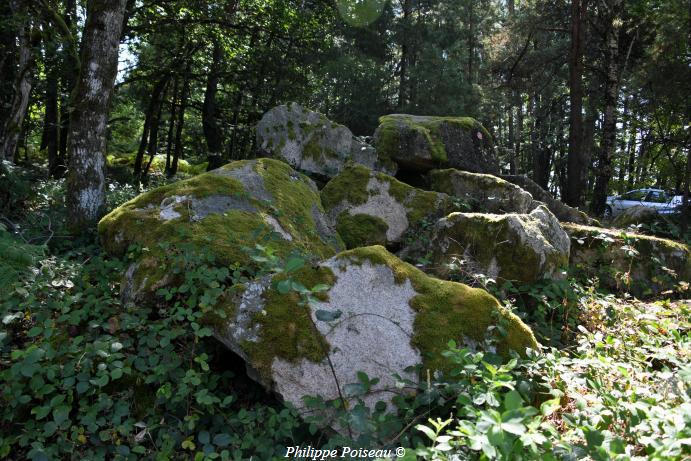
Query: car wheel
{"points": [[608, 212]]}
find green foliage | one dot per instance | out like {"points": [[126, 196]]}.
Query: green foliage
{"points": [[16, 258], [88, 377]]}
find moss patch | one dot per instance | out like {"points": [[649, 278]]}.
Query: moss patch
{"points": [[287, 331], [361, 230], [349, 186], [392, 137], [448, 310]]}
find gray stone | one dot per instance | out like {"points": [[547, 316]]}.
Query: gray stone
{"points": [[562, 211], [635, 215], [421, 143], [484, 192], [386, 324], [310, 142], [515, 247]]}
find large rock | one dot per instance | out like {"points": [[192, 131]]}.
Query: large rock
{"points": [[639, 264], [378, 316], [516, 247], [635, 215], [367, 207], [312, 143], [222, 212], [483, 192], [562, 211], [421, 143]]}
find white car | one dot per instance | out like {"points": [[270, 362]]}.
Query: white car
{"points": [[649, 198]]}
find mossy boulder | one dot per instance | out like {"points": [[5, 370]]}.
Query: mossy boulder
{"points": [[562, 211], [378, 316], [485, 192], [368, 207], [222, 212], [421, 143], [312, 143], [635, 215], [642, 265], [505, 247]]}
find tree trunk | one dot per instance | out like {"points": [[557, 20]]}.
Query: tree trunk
{"points": [[171, 126], [609, 123], [212, 130], [405, 52], [70, 68], [575, 183], [177, 153], [87, 141], [12, 128], [51, 123], [149, 120], [8, 59], [153, 133]]}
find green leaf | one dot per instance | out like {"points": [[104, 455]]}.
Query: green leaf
{"points": [[513, 400], [60, 414], [222, 440], [283, 287], [294, 263]]}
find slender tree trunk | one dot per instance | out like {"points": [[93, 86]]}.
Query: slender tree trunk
{"points": [[210, 125], [8, 59], [149, 120], [89, 118], [631, 149], [11, 130], [177, 153], [68, 77], [405, 54], [590, 121], [51, 123], [609, 123], [622, 144], [171, 126], [153, 133], [576, 164]]}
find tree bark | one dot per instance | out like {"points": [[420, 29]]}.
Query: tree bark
{"points": [[609, 123], [87, 139], [11, 130], [8, 59], [403, 97], [150, 120], [51, 122], [68, 78], [576, 165], [210, 125], [171, 126], [177, 153]]}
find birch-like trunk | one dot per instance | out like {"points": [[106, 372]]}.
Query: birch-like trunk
{"points": [[88, 121], [12, 128]]}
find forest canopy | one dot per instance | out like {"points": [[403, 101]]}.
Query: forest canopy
{"points": [[587, 99]]}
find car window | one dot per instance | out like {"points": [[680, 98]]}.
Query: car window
{"points": [[656, 197], [635, 195]]}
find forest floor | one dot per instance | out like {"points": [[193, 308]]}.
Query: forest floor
{"points": [[85, 376]]}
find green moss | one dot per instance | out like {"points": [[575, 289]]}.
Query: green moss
{"points": [[350, 186], [390, 136], [286, 328], [448, 310], [361, 230]]}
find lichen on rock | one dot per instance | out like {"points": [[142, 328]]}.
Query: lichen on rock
{"points": [[225, 211], [488, 193], [359, 192], [310, 142], [505, 247], [377, 302], [642, 265], [422, 143]]}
